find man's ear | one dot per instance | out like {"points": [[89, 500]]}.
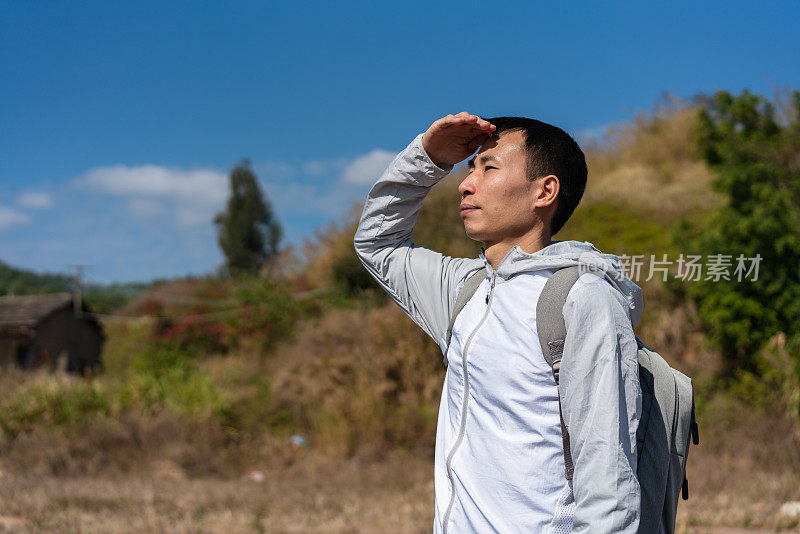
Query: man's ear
{"points": [[547, 191]]}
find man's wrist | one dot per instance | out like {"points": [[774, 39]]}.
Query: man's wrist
{"points": [[445, 168]]}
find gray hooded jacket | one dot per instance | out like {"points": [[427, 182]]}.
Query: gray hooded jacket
{"points": [[499, 463]]}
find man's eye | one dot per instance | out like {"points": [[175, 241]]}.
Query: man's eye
{"points": [[489, 167]]}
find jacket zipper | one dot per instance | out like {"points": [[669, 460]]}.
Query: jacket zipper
{"points": [[464, 404]]}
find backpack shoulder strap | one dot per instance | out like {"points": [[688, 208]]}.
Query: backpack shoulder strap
{"points": [[552, 332], [469, 289], [549, 317]]}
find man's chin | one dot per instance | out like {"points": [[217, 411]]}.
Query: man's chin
{"points": [[474, 233]]}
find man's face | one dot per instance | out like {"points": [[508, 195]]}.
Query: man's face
{"points": [[497, 199]]}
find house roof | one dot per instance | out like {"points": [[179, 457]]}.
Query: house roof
{"points": [[28, 310]]}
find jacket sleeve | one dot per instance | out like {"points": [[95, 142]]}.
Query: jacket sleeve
{"points": [[421, 281], [601, 404]]}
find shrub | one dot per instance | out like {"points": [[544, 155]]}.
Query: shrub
{"points": [[165, 377], [193, 334], [53, 402], [269, 313], [755, 158]]}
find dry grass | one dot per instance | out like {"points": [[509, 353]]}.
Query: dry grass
{"points": [[313, 496], [747, 466], [320, 494], [649, 166], [329, 245], [361, 382]]}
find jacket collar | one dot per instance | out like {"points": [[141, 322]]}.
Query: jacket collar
{"points": [[560, 254]]}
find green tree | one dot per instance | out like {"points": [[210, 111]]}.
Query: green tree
{"points": [[755, 157], [248, 232]]}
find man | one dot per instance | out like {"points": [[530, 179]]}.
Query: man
{"points": [[499, 456]]}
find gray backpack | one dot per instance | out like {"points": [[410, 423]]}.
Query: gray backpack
{"points": [[667, 421]]}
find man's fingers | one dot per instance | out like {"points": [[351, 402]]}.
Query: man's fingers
{"points": [[459, 118], [449, 120], [482, 127], [477, 141], [453, 137], [468, 118], [464, 126], [472, 121], [485, 125]]}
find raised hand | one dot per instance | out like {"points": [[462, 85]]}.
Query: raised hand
{"points": [[454, 138]]}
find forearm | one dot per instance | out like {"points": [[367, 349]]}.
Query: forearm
{"points": [[421, 281], [393, 203]]}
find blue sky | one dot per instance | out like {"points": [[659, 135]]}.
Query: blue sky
{"points": [[119, 121]]}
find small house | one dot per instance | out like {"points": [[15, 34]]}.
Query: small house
{"points": [[47, 331]]}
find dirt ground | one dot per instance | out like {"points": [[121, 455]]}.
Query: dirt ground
{"points": [[395, 495]]}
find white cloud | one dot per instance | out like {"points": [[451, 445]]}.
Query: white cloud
{"points": [[10, 217], [307, 199], [193, 195], [324, 166], [145, 208], [366, 169], [36, 201]]}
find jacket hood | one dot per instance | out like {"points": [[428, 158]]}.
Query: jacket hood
{"points": [[561, 254]]}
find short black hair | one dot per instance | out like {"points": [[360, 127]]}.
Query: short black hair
{"points": [[551, 150]]}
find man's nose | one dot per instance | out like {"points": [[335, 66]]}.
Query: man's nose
{"points": [[467, 187]]}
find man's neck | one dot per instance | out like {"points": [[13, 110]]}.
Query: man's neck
{"points": [[530, 243]]}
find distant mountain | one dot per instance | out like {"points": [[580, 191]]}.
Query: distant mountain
{"points": [[102, 298], [15, 281]]}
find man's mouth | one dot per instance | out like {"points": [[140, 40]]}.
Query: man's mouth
{"points": [[467, 208]]}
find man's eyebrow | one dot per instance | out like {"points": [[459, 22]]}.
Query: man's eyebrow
{"points": [[483, 159]]}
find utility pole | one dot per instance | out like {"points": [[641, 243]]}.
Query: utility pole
{"points": [[77, 296], [74, 363]]}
